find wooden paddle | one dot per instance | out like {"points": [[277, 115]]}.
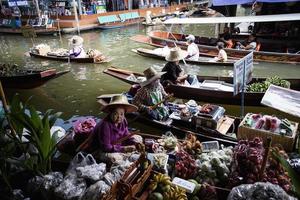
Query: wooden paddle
{"points": [[119, 141]]}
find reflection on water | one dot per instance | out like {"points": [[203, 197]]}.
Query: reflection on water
{"points": [[76, 92]]}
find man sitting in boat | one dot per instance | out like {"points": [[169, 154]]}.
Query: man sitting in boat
{"points": [[109, 132], [174, 73], [76, 45], [226, 37], [249, 44], [222, 55], [193, 50], [150, 97]]}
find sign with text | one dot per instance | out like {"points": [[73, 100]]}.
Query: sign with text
{"points": [[283, 99], [13, 3], [246, 63]]}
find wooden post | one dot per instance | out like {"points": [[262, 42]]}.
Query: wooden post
{"points": [[3, 99], [265, 158]]}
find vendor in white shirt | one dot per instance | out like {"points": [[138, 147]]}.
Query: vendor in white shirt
{"points": [[76, 47], [193, 50]]}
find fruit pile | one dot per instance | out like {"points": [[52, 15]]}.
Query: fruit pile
{"points": [[214, 166], [247, 163], [192, 145], [185, 166], [161, 188], [168, 141]]}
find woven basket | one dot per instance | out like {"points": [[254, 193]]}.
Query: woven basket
{"points": [[287, 142]]}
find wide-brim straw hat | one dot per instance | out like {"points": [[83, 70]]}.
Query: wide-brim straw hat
{"points": [[76, 40], [151, 75], [119, 101], [176, 54]]}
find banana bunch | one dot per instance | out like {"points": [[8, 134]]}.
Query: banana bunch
{"points": [[161, 180], [192, 145], [175, 193]]}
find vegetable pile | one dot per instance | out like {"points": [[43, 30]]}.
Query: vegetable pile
{"points": [[262, 87]]}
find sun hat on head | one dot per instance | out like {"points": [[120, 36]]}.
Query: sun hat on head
{"points": [[151, 75], [119, 101], [176, 54], [190, 38], [76, 40]]}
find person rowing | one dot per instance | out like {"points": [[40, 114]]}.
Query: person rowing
{"points": [[150, 97]]}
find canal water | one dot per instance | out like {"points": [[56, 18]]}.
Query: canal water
{"points": [[75, 93]]}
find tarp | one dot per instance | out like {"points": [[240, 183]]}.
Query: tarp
{"points": [[283, 99], [238, 2], [217, 20]]}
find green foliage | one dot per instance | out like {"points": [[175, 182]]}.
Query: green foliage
{"points": [[262, 87], [37, 133], [292, 174]]}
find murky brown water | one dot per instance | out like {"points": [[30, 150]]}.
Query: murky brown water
{"points": [[75, 93]]}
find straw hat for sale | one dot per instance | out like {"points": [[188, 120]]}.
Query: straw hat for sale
{"points": [[119, 101], [151, 75], [76, 40], [176, 54]]}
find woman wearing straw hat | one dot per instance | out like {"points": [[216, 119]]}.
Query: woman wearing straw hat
{"points": [[76, 47], [174, 72], [150, 96], [108, 132]]}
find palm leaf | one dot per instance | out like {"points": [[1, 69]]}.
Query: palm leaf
{"points": [[292, 174]]}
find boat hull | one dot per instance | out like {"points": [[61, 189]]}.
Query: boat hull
{"points": [[66, 59], [159, 38], [32, 80], [201, 61], [205, 95]]}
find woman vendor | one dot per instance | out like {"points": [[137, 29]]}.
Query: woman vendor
{"points": [[149, 98], [113, 127], [76, 47]]}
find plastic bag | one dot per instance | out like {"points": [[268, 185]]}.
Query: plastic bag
{"points": [[79, 160], [52, 180], [96, 191], [259, 191], [71, 188], [93, 172]]}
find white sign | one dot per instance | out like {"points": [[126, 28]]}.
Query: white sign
{"points": [[283, 99], [246, 63]]}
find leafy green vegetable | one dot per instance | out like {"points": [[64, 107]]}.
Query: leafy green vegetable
{"points": [[263, 86]]}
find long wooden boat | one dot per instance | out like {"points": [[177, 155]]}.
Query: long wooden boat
{"points": [[182, 128], [120, 24], [28, 79], [203, 93], [66, 58], [38, 31], [201, 61], [207, 46]]}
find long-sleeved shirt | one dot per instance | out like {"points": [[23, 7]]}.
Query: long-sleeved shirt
{"points": [[107, 133]]}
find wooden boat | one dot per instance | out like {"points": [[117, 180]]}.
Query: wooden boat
{"points": [[28, 79], [120, 24], [204, 94], [207, 46], [201, 61], [181, 128], [66, 58], [38, 31]]}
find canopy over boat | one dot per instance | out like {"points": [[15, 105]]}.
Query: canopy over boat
{"points": [[237, 2], [218, 20]]}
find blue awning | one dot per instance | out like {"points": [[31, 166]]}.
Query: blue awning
{"points": [[238, 2]]}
